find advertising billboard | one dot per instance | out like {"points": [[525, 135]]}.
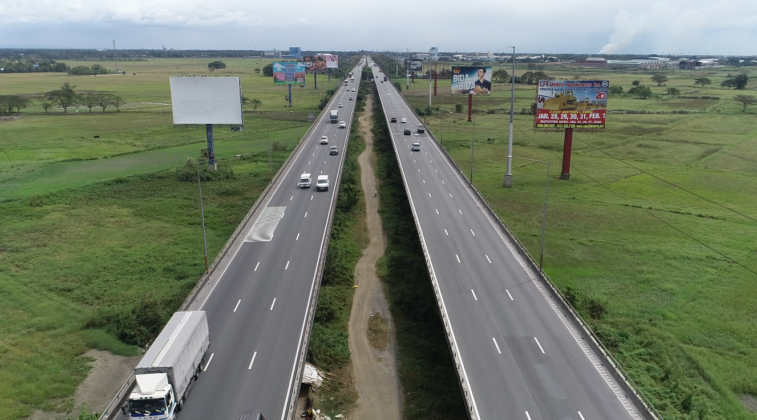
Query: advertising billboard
{"points": [[289, 74], [321, 62], [580, 104], [476, 80], [414, 64], [206, 100]]}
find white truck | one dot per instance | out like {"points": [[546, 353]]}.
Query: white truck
{"points": [[170, 366], [334, 115]]}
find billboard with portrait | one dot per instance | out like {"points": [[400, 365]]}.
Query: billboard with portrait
{"points": [[289, 74], [475, 80], [321, 62], [580, 104], [414, 64]]}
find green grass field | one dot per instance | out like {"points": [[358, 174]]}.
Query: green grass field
{"points": [[656, 226]]}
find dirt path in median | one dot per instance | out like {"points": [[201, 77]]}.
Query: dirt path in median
{"points": [[371, 331]]}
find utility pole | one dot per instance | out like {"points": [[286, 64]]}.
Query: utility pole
{"points": [[509, 174], [115, 56]]}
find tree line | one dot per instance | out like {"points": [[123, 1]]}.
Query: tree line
{"points": [[65, 97]]}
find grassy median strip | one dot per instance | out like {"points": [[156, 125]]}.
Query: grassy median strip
{"points": [[329, 348], [426, 370]]}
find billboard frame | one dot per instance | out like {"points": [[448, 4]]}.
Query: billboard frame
{"points": [[602, 85]]}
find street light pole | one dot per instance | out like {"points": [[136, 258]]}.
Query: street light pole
{"points": [[202, 215], [544, 217], [509, 174]]}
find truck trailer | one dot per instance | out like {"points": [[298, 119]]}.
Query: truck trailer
{"points": [[170, 366], [334, 115]]}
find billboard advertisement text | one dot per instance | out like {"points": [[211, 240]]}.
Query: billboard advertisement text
{"points": [[289, 74], [578, 104], [321, 62], [476, 80]]}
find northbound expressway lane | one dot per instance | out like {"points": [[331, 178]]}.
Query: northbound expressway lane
{"points": [[257, 310], [522, 358]]}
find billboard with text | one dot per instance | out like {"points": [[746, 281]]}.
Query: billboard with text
{"points": [[289, 74], [475, 80], [580, 104], [414, 64], [321, 62]]}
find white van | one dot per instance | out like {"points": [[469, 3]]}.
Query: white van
{"points": [[304, 180], [322, 184]]}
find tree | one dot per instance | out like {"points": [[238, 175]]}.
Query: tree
{"points": [[745, 100], [216, 65], [46, 105], [727, 83], [459, 108], [104, 100], [18, 102], [740, 81], [702, 81], [636, 83], [616, 90], [65, 96], [117, 102], [80, 71], [500, 76], [268, 70], [640, 91], [91, 100], [673, 91], [659, 78], [255, 103], [257, 71]]}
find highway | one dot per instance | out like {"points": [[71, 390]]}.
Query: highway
{"points": [[521, 356], [257, 308]]}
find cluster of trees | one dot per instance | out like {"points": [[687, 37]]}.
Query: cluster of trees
{"points": [[10, 102], [531, 77], [88, 71], [253, 102], [638, 90], [739, 81], [31, 66], [216, 65], [66, 97]]}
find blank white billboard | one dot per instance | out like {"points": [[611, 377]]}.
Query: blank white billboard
{"points": [[206, 100]]}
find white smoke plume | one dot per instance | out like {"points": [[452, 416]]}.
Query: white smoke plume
{"points": [[623, 34]]}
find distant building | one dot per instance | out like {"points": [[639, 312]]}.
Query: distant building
{"points": [[272, 54], [434, 53], [294, 52], [693, 64]]}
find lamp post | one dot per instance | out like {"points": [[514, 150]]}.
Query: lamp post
{"points": [[544, 217], [202, 216], [509, 174]]}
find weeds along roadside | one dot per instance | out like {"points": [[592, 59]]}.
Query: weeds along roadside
{"points": [[329, 346], [429, 381]]}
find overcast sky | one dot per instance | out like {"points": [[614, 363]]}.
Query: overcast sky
{"points": [[700, 27]]}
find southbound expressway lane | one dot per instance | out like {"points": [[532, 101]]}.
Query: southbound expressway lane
{"points": [[257, 310], [521, 357]]}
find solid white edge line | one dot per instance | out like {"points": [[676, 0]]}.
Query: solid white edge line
{"points": [[252, 361], [256, 266], [474, 294], [496, 345], [508, 294], [539, 344], [237, 305], [274, 302], [209, 360]]}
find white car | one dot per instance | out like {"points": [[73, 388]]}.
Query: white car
{"points": [[350, 97], [404, 120], [342, 124], [416, 147], [340, 105], [353, 89], [304, 180], [324, 140], [322, 184]]}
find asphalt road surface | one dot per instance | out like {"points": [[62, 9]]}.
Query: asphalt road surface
{"points": [[521, 356], [257, 311]]}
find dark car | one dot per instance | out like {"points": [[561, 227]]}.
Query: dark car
{"points": [[394, 119], [249, 415], [407, 132]]}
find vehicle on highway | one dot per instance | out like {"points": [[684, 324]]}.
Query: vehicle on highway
{"points": [[342, 124], [353, 89], [305, 180], [340, 105], [169, 367], [421, 128], [334, 115], [350, 97], [322, 184], [324, 140], [333, 150], [416, 147], [385, 78], [404, 120], [407, 132], [394, 119]]}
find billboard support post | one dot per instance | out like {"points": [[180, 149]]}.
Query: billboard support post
{"points": [[211, 147], [436, 76], [290, 96], [567, 146], [429, 86], [315, 80], [470, 106]]}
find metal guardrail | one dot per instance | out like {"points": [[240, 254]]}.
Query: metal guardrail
{"points": [[112, 410], [640, 401]]}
